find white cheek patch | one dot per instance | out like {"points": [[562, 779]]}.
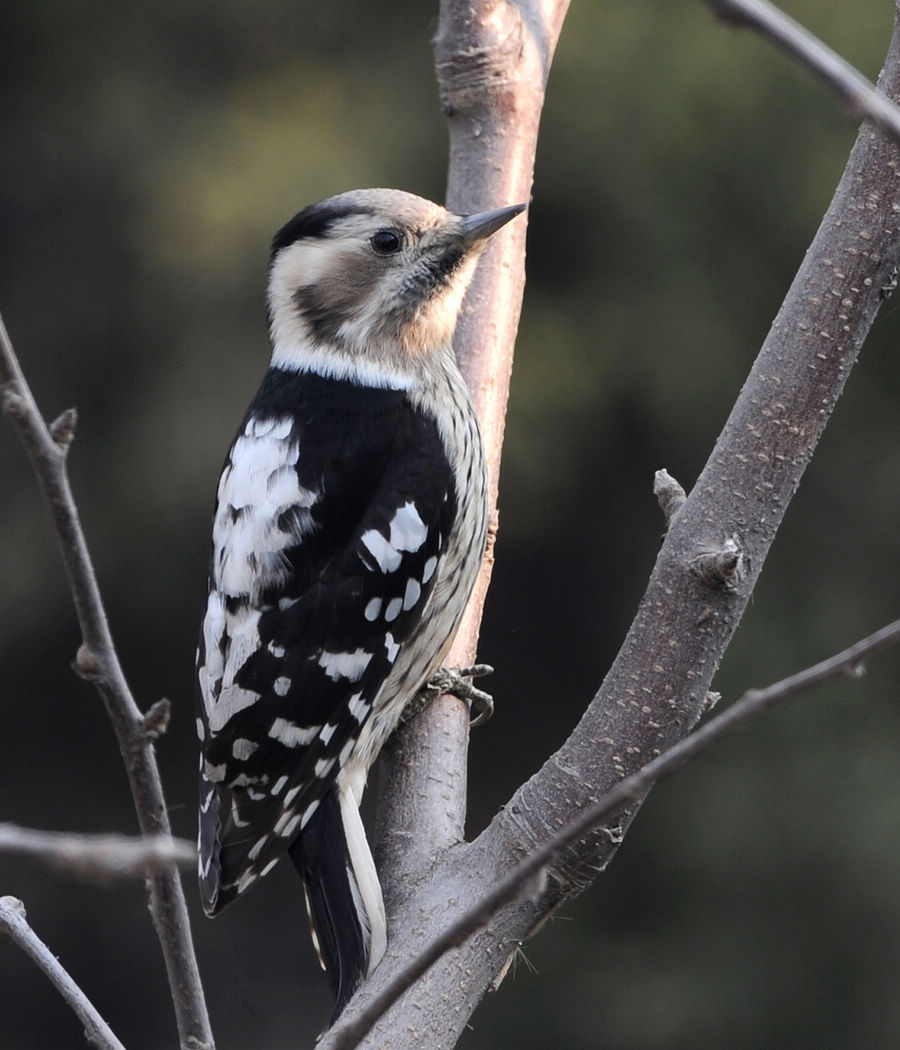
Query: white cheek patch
{"points": [[305, 264]]}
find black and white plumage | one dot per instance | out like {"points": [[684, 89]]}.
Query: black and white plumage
{"points": [[349, 526]]}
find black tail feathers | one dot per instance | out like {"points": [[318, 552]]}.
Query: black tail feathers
{"points": [[339, 895]]}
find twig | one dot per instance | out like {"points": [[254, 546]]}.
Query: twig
{"points": [[97, 857], [47, 448], [14, 924], [859, 94], [529, 872], [669, 494]]}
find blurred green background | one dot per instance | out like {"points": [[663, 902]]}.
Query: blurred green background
{"points": [[148, 154]]}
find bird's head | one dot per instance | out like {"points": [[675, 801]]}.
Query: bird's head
{"points": [[367, 285]]}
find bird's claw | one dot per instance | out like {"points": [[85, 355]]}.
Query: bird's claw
{"points": [[454, 681]]}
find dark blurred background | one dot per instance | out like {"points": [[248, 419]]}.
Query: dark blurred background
{"points": [[148, 154]]}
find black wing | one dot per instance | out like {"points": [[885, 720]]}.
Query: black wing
{"points": [[292, 659]]}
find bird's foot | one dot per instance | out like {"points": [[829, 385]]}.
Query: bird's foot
{"points": [[455, 682]]}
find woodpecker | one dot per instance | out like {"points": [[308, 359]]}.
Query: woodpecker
{"points": [[349, 525]]}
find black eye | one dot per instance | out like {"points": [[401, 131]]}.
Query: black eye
{"points": [[386, 242]]}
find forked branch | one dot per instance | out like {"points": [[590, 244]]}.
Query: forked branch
{"points": [[15, 925], [528, 876], [97, 661]]}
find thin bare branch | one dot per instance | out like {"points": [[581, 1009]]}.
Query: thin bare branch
{"points": [[97, 661], [528, 876], [13, 923], [861, 97], [96, 857]]}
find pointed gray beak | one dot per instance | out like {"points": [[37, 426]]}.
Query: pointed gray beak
{"points": [[476, 227]]}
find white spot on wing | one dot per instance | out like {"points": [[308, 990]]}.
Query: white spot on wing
{"points": [[282, 427], [386, 558], [281, 686], [408, 531], [291, 826], [308, 812], [345, 752], [257, 847], [282, 821], [246, 880], [272, 426], [358, 707], [278, 786], [258, 427], [242, 749], [291, 735], [242, 781], [411, 596], [349, 666], [323, 767], [222, 698], [214, 774], [428, 571], [391, 647], [393, 609], [372, 609]]}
